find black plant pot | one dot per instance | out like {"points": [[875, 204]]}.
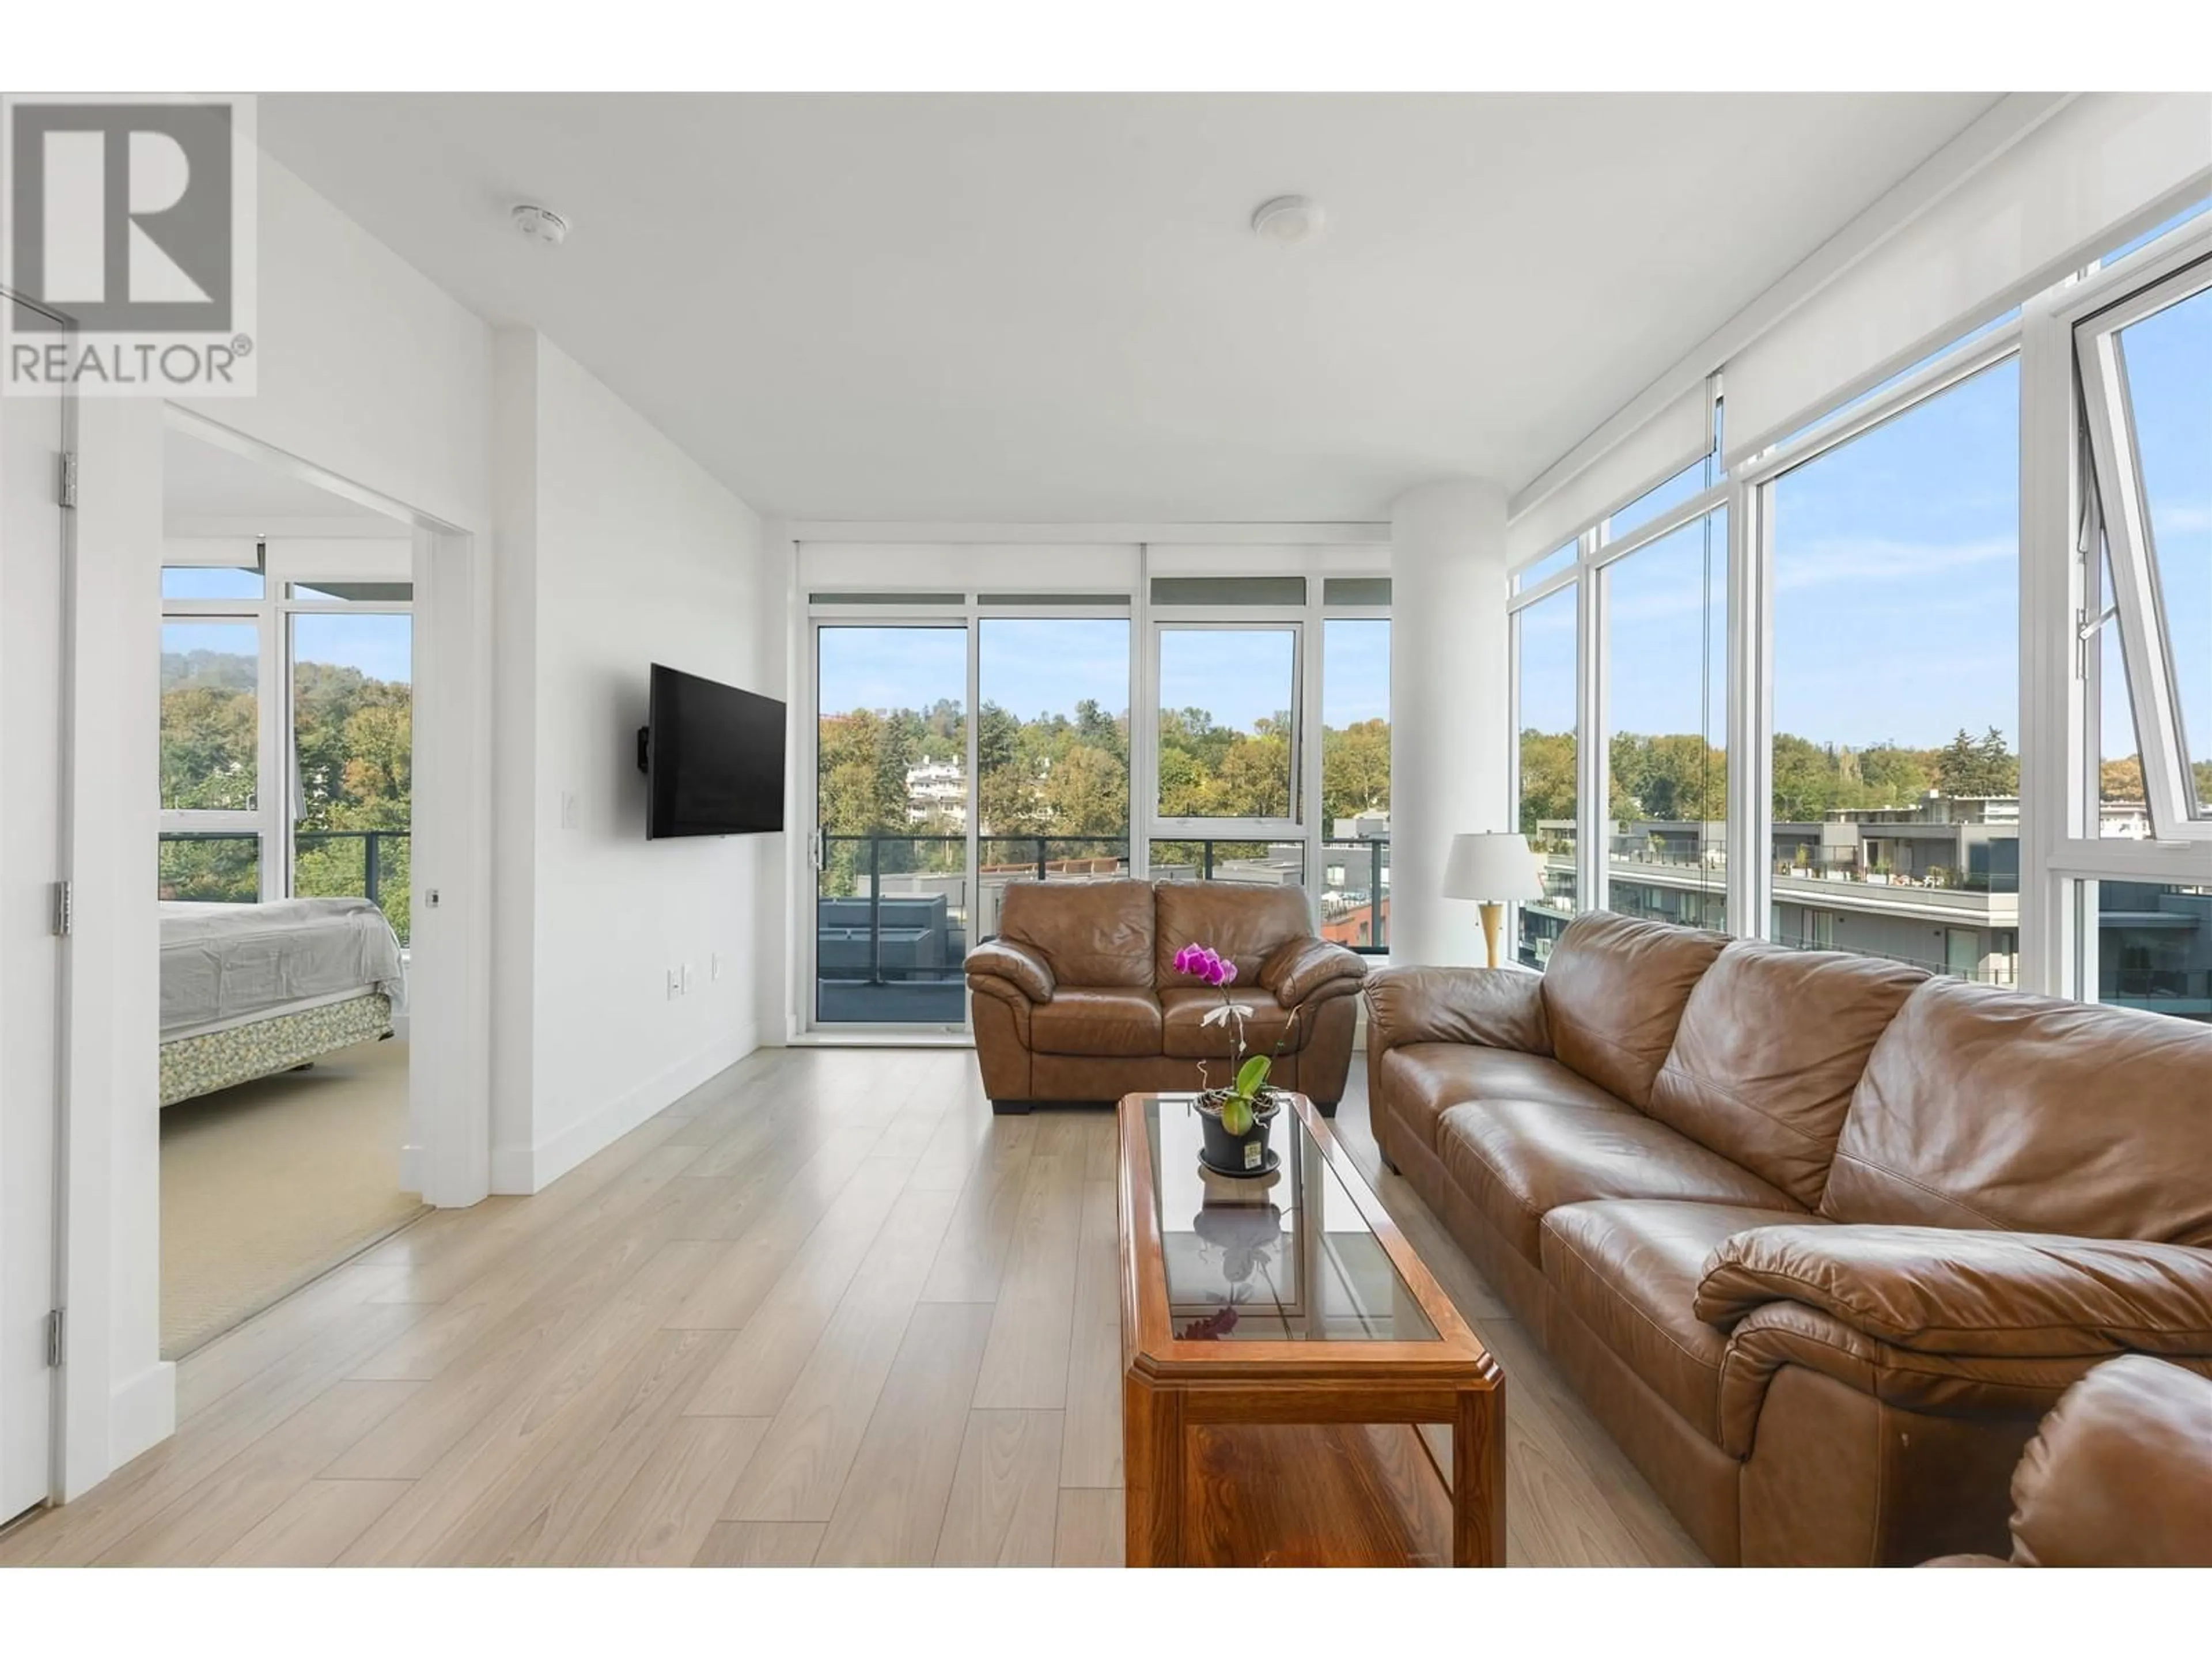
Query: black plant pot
{"points": [[1237, 1155]]}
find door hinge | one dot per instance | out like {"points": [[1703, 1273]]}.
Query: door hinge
{"points": [[68, 477], [64, 917], [56, 1339]]}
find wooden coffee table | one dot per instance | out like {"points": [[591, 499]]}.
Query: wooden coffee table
{"points": [[1279, 1342]]}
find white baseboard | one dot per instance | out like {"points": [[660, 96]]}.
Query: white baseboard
{"points": [[532, 1168], [142, 1413]]}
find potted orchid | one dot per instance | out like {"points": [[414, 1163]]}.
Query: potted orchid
{"points": [[1235, 1118]]}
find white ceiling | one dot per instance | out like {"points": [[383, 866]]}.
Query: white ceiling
{"points": [[201, 482], [1050, 308]]}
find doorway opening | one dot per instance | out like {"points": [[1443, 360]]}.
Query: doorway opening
{"points": [[285, 874]]}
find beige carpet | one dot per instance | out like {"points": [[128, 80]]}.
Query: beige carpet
{"points": [[267, 1185]]}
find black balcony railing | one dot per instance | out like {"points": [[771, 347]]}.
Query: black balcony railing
{"points": [[223, 866], [894, 914]]}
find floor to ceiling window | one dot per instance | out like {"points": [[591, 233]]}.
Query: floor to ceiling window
{"points": [[287, 735], [1228, 800], [1894, 759], [1052, 753], [1546, 788], [353, 749], [1666, 631], [1241, 733], [211, 746], [892, 894], [1355, 781]]}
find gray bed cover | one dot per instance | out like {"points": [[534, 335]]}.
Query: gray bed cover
{"points": [[226, 962]]}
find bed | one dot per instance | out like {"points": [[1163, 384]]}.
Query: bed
{"points": [[250, 990]]}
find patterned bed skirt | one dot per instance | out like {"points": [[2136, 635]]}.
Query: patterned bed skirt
{"points": [[201, 1065]]}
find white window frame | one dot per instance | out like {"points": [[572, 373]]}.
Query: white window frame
{"points": [[2061, 856], [1254, 619], [273, 821], [270, 684], [1598, 769], [830, 604], [1590, 697], [2114, 501]]}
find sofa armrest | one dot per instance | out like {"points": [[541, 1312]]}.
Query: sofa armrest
{"points": [[1489, 1007], [1299, 968], [1780, 1334], [2120, 1473], [1945, 1291], [1003, 959]]}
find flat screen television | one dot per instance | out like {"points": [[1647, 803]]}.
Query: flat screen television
{"points": [[712, 758]]}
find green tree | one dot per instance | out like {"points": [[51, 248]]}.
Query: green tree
{"points": [[1968, 766], [1355, 770], [1548, 778]]}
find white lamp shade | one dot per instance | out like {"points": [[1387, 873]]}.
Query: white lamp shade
{"points": [[1496, 868]]}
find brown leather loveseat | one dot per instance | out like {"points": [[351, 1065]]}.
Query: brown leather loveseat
{"points": [[1818, 1238], [1078, 998]]}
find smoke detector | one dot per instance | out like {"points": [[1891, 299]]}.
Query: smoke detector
{"points": [[1287, 221], [539, 224]]}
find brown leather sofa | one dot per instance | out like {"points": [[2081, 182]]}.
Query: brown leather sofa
{"points": [[1078, 999], [2119, 1474], [1817, 1237]]}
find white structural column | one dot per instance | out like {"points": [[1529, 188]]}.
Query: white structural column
{"points": [[1449, 742]]}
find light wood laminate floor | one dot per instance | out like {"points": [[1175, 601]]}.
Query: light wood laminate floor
{"points": [[825, 1311]]}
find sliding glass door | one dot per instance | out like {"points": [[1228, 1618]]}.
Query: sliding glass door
{"points": [[893, 884]]}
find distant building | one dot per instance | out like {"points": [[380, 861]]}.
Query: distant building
{"points": [[936, 789], [1935, 884]]}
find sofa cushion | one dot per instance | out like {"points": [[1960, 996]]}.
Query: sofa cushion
{"points": [[1987, 1109], [1425, 1080], [1106, 1020], [1628, 1269], [1518, 1160], [1088, 932], [1771, 1044], [1182, 1015], [1244, 924], [1614, 993]]}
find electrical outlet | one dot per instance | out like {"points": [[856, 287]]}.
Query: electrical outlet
{"points": [[715, 965], [675, 984], [568, 814]]}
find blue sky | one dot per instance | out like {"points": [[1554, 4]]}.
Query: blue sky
{"points": [[2169, 364], [1034, 667], [381, 646], [1895, 606]]}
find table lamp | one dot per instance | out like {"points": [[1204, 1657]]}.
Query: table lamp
{"points": [[1495, 869]]}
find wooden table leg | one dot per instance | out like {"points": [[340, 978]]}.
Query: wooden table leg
{"points": [[1152, 1472], [1479, 1478]]}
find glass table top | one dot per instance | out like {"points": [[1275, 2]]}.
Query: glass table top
{"points": [[1283, 1257]]}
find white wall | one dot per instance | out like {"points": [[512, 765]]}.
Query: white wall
{"points": [[636, 557], [367, 368]]}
